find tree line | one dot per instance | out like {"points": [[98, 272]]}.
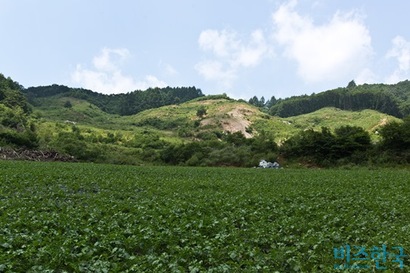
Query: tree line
{"points": [[390, 99], [350, 145], [120, 104]]}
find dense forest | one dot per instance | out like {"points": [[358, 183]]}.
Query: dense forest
{"points": [[122, 104], [390, 99], [16, 125]]}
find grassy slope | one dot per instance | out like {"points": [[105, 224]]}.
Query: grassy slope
{"points": [[81, 112], [332, 118], [222, 111], [222, 115]]}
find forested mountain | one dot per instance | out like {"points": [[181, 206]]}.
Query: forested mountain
{"points": [[16, 127], [390, 99], [121, 104]]}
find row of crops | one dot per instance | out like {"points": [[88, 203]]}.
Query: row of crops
{"points": [[72, 217]]}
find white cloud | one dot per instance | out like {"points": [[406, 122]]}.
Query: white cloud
{"points": [[401, 52], [110, 59], [169, 69], [222, 43], [366, 76], [107, 77], [215, 71], [253, 53], [330, 51], [230, 54], [150, 81]]}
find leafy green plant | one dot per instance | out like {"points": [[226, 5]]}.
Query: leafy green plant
{"points": [[60, 217]]}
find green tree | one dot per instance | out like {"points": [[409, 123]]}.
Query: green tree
{"points": [[271, 102], [310, 144], [68, 104], [254, 101], [262, 102], [201, 112], [396, 136], [351, 139], [263, 143], [351, 85], [236, 138]]}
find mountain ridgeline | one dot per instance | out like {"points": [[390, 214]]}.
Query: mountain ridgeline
{"points": [[181, 126], [389, 99], [121, 104]]}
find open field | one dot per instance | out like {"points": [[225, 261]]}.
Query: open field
{"points": [[71, 217]]}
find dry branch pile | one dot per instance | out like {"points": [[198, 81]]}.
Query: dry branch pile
{"points": [[33, 155]]}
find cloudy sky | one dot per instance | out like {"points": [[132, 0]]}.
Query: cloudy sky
{"points": [[242, 48]]}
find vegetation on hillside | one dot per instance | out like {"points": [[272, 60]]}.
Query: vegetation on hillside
{"points": [[205, 131], [17, 129], [120, 104], [390, 99]]}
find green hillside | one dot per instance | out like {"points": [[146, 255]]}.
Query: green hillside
{"points": [[232, 116], [369, 120], [16, 124], [222, 115], [390, 99], [207, 130], [212, 131], [121, 104]]}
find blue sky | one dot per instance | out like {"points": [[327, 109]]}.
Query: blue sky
{"points": [[242, 48]]}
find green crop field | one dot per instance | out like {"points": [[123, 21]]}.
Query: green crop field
{"points": [[69, 217]]}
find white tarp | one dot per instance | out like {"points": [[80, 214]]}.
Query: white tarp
{"points": [[264, 164]]}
